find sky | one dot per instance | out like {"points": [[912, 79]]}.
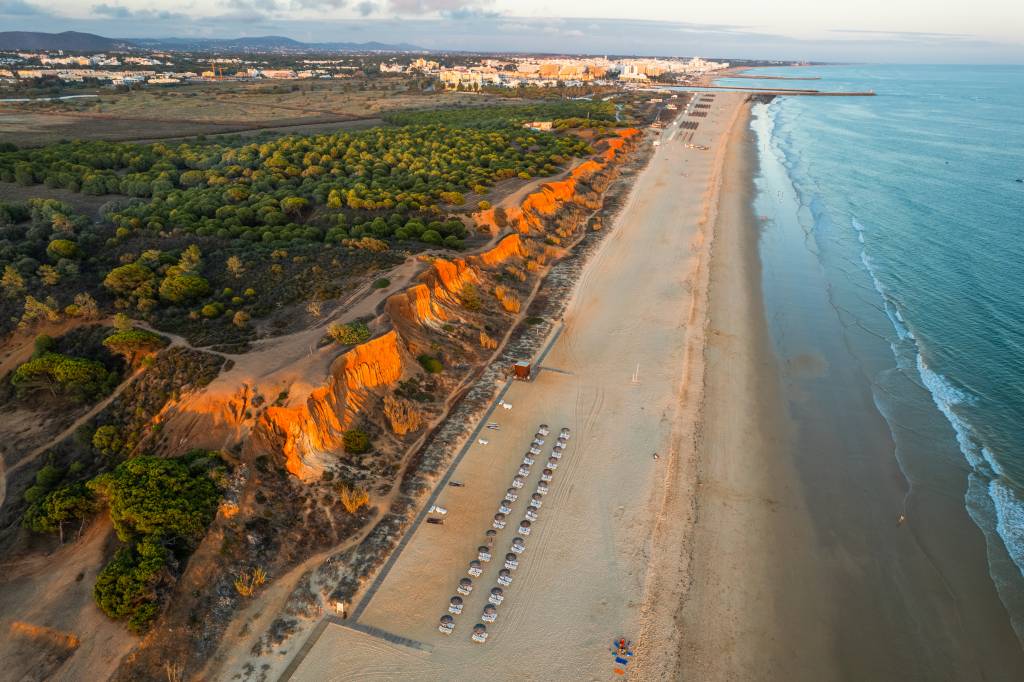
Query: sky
{"points": [[921, 31]]}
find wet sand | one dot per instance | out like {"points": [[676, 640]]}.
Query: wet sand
{"points": [[799, 568]]}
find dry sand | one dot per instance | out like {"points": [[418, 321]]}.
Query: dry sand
{"points": [[592, 565]]}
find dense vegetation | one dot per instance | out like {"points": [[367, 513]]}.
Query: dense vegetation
{"points": [[159, 508], [204, 238], [500, 117]]}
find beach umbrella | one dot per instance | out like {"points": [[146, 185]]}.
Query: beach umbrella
{"points": [[543, 429], [479, 633], [499, 521], [505, 577], [536, 500], [528, 459], [552, 462], [518, 545], [538, 442], [542, 488], [490, 614], [483, 553], [497, 596], [511, 495], [511, 561], [455, 605], [546, 475], [524, 471], [524, 527], [447, 624], [531, 513], [518, 482], [565, 433], [475, 569], [534, 450], [465, 586], [504, 507], [556, 452], [539, 437]]}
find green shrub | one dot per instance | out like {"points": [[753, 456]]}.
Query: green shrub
{"points": [[356, 441], [349, 334], [431, 364]]}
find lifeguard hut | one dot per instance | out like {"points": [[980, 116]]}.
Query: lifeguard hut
{"points": [[522, 370]]}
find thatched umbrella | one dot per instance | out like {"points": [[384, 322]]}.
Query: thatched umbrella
{"points": [[505, 577], [475, 569], [546, 475], [528, 459], [491, 534], [557, 451], [483, 553], [455, 605], [499, 521], [536, 500], [543, 429], [511, 495], [524, 527], [531, 513], [534, 450], [565, 433], [511, 561], [497, 596], [447, 624], [524, 471], [518, 545], [479, 633], [490, 614], [538, 441], [542, 488], [552, 463], [465, 586], [505, 507], [518, 482]]}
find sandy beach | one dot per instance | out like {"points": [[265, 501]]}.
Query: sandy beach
{"points": [[624, 373]]}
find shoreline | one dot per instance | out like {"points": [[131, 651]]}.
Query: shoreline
{"points": [[800, 570]]}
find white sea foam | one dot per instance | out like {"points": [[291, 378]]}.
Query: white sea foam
{"points": [[947, 397], [892, 309], [1009, 519]]}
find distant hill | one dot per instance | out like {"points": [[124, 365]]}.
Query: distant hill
{"points": [[72, 41]]}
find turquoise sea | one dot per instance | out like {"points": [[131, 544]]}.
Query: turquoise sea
{"points": [[912, 203]]}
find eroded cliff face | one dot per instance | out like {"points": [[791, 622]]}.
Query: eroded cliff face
{"points": [[432, 316], [309, 432]]}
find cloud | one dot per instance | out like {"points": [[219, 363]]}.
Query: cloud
{"points": [[20, 8], [320, 4], [122, 12], [448, 8], [366, 8]]}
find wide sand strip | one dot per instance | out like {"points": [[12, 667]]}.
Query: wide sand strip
{"points": [[617, 376]]}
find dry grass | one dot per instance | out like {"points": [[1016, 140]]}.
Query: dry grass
{"points": [[246, 583], [353, 497]]}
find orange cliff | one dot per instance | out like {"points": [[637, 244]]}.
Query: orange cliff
{"points": [[311, 430], [531, 213]]}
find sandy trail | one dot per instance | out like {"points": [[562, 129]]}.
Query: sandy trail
{"points": [[583, 576]]}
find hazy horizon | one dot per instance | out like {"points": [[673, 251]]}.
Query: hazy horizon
{"points": [[985, 32]]}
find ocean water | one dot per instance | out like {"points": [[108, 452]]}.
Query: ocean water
{"points": [[913, 207]]}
